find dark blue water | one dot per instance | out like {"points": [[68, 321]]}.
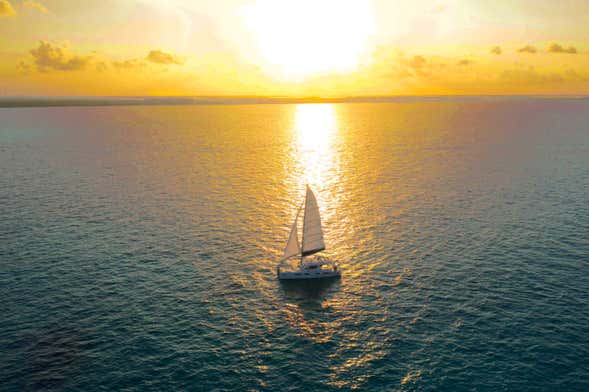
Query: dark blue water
{"points": [[139, 245]]}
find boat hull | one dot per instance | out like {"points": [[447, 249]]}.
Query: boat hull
{"points": [[306, 274]]}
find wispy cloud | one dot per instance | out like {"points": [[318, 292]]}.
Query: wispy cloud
{"points": [[530, 76], [417, 62], [464, 62], [496, 50], [6, 8], [24, 68], [557, 48], [160, 57], [101, 66], [417, 67], [527, 49], [36, 6], [128, 64]]}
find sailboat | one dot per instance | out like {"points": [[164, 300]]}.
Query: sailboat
{"points": [[318, 267]]}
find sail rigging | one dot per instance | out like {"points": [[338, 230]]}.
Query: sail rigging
{"points": [[312, 232]]}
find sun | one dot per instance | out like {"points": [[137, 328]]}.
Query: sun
{"points": [[308, 37]]}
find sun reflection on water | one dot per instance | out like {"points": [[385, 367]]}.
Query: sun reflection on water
{"points": [[315, 129], [314, 161], [315, 124]]}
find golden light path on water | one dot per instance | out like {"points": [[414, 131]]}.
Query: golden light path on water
{"points": [[316, 159], [317, 155], [315, 128], [318, 312]]}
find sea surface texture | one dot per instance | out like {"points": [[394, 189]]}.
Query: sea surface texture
{"points": [[139, 247]]}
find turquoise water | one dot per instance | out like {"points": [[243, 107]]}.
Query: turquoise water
{"points": [[139, 245]]}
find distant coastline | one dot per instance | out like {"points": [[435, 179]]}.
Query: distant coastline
{"points": [[23, 102]]}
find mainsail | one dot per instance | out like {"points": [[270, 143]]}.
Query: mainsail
{"points": [[312, 233], [292, 247]]}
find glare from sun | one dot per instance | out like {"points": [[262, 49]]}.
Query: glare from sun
{"points": [[308, 37], [316, 129], [314, 124]]}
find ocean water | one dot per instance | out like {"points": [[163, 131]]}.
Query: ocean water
{"points": [[139, 247]]}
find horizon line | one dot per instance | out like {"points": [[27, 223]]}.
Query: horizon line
{"points": [[162, 100]]}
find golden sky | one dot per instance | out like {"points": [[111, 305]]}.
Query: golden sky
{"points": [[293, 48]]}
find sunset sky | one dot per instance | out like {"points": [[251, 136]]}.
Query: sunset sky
{"points": [[293, 48]]}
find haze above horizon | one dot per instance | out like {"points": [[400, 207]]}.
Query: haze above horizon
{"points": [[293, 49]]}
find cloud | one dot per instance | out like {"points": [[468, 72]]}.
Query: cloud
{"points": [[527, 49], [36, 6], [24, 68], [573, 75], [465, 62], [154, 56], [556, 48], [159, 57], [417, 62], [52, 57], [6, 8], [496, 50], [530, 76], [101, 66], [416, 67], [128, 64]]}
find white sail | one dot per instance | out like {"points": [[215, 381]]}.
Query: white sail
{"points": [[292, 247], [312, 233]]}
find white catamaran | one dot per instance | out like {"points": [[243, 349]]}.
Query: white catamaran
{"points": [[312, 243]]}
